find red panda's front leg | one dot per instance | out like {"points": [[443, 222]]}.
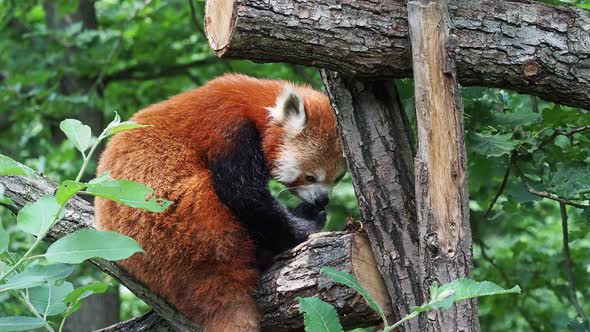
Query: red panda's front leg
{"points": [[240, 177]]}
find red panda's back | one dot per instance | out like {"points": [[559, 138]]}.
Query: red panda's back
{"points": [[171, 157]]}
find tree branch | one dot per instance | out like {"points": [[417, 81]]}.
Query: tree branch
{"points": [[545, 194], [524, 45], [557, 132], [568, 263], [500, 190], [295, 273]]}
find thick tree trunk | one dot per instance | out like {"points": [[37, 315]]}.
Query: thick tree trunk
{"points": [[524, 45], [296, 272], [376, 138], [441, 179]]}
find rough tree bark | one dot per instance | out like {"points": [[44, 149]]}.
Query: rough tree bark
{"points": [[441, 179], [377, 143], [296, 272], [524, 45]]}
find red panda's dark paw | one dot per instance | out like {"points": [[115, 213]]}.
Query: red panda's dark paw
{"points": [[310, 212], [307, 219]]}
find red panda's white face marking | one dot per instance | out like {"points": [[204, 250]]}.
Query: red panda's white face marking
{"points": [[310, 157]]}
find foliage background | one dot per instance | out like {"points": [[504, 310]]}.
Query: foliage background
{"points": [[87, 59]]}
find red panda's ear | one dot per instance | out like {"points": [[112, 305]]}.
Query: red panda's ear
{"points": [[288, 110]]}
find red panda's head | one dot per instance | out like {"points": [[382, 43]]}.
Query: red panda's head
{"points": [[309, 157]]}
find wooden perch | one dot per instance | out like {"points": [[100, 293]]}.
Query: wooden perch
{"points": [[441, 178], [296, 273], [524, 45]]}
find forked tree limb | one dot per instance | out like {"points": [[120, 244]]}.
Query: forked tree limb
{"points": [[295, 273], [524, 45], [441, 177]]}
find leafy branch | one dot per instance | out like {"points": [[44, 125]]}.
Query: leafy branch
{"points": [[567, 133], [545, 194], [320, 316], [35, 284]]}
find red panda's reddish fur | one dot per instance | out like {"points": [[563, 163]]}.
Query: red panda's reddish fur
{"points": [[197, 254]]}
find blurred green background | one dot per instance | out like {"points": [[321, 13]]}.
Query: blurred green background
{"points": [[87, 59]]}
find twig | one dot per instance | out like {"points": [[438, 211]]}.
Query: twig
{"points": [[556, 198], [500, 190], [545, 194], [567, 133], [568, 263]]}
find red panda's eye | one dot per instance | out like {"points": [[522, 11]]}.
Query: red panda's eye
{"points": [[310, 178]]}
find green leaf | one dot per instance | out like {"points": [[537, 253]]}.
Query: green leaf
{"points": [[463, 289], [72, 309], [349, 280], [117, 126], [492, 145], [127, 125], [12, 167], [85, 291], [88, 243], [439, 299], [517, 190], [129, 193], [562, 141], [586, 214], [569, 179], [20, 323], [36, 218], [4, 239], [37, 275], [319, 316], [49, 299], [105, 177], [77, 132], [67, 190]]}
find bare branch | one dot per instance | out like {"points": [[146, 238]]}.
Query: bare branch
{"points": [[568, 263], [500, 190]]}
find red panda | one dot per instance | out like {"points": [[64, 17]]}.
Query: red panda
{"points": [[212, 151]]}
